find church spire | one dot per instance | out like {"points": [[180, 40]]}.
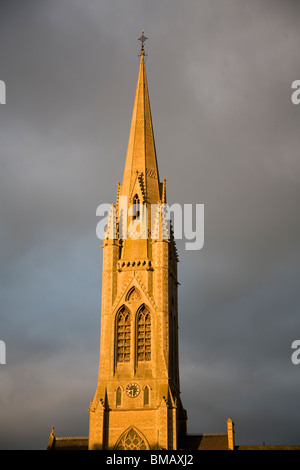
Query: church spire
{"points": [[137, 403], [141, 159]]}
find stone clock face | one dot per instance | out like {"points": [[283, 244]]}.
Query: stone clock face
{"points": [[133, 390]]}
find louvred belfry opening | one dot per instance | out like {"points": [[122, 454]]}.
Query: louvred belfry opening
{"points": [[123, 335], [144, 335]]}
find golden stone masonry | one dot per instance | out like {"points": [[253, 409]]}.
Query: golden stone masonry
{"points": [[137, 404]]}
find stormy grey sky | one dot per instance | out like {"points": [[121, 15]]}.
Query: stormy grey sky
{"points": [[227, 136]]}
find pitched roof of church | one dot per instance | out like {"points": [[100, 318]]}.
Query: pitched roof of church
{"points": [[203, 442], [67, 443], [188, 442]]}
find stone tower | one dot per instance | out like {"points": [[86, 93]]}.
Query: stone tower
{"points": [[137, 403]]}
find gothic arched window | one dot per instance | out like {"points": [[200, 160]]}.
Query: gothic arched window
{"points": [[123, 335], [132, 440], [146, 395], [119, 396], [144, 334], [136, 202]]}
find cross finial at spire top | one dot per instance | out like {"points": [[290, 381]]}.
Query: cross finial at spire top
{"points": [[142, 38]]}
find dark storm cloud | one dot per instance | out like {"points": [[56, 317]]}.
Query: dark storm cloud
{"points": [[220, 77]]}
